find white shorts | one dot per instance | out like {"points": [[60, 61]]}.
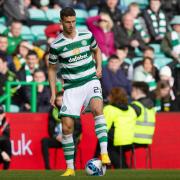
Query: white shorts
{"points": [[76, 98]]}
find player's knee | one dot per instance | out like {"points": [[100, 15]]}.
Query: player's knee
{"points": [[67, 129], [96, 111]]}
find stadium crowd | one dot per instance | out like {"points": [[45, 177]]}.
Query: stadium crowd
{"points": [[139, 41]]}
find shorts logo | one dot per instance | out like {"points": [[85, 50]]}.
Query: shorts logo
{"points": [[84, 42], [64, 108]]}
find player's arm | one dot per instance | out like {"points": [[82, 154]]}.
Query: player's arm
{"points": [[97, 56], [53, 58], [98, 59], [52, 82]]}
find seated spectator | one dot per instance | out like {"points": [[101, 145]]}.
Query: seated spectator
{"points": [[26, 71], [101, 27], [5, 143], [7, 75], [165, 100], [14, 36], [128, 36], [3, 51], [144, 107], [139, 21], [122, 54], [156, 21], [120, 119], [43, 94], [146, 73], [110, 7], [149, 52], [114, 76], [21, 52], [55, 134], [171, 42]]}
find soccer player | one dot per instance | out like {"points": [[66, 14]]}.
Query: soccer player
{"points": [[75, 50]]}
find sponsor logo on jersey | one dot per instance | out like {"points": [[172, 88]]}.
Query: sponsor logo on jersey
{"points": [[78, 58], [76, 51]]}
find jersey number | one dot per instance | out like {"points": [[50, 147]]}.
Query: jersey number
{"points": [[97, 90]]}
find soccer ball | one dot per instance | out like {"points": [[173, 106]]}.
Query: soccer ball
{"points": [[94, 167]]}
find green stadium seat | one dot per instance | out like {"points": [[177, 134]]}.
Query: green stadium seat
{"points": [[2, 28], [37, 14], [93, 12], [81, 16], [160, 62], [137, 59], [127, 60], [82, 27], [157, 48], [53, 15], [142, 3], [2, 20], [38, 32], [27, 34]]}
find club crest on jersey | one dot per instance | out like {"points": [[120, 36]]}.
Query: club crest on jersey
{"points": [[84, 42], [76, 51]]}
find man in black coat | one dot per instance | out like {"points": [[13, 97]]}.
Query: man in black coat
{"points": [[127, 36]]}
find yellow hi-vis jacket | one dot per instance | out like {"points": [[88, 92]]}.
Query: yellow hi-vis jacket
{"points": [[124, 124], [145, 125]]}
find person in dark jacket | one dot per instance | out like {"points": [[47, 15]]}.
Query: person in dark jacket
{"points": [[5, 144], [127, 36], [110, 7], [156, 21], [55, 131], [114, 76]]}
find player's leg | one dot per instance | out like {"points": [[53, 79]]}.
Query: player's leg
{"points": [[100, 128], [72, 103], [95, 101], [68, 144]]}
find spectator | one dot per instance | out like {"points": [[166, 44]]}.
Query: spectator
{"points": [[164, 98], [55, 137], [146, 73], [171, 42], [21, 52], [120, 119], [43, 94], [114, 76], [6, 75], [101, 27], [14, 36], [3, 51], [5, 144], [156, 21], [53, 30], [110, 7], [139, 21], [128, 36], [144, 107], [122, 54]]}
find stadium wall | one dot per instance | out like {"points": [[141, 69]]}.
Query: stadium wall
{"points": [[27, 130]]}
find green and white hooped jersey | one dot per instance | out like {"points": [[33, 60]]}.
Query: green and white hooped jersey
{"points": [[75, 58]]}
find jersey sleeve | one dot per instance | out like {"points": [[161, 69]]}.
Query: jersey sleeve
{"points": [[93, 42], [53, 56]]}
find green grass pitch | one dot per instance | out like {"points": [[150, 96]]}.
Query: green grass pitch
{"points": [[80, 175]]}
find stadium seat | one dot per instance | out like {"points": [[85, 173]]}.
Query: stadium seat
{"points": [[37, 14], [82, 27], [160, 62], [52, 15], [2, 28], [2, 20], [157, 48], [93, 12], [27, 34], [81, 16], [38, 32], [142, 3]]}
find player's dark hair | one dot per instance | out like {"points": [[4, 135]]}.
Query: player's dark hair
{"points": [[67, 11], [31, 52]]}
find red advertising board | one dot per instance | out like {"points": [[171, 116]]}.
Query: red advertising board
{"points": [[28, 129]]}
